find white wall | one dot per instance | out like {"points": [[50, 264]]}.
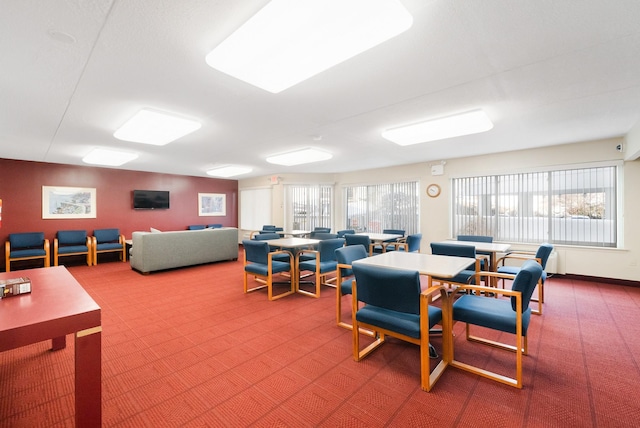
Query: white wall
{"points": [[620, 263]]}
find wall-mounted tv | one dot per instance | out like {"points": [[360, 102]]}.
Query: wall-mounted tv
{"points": [[151, 199]]}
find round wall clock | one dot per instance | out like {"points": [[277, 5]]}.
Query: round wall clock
{"points": [[433, 190]]}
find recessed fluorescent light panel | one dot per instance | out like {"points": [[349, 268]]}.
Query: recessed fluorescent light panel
{"points": [[471, 122], [155, 127], [289, 41], [300, 157], [108, 157], [229, 171]]}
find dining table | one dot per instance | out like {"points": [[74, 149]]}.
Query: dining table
{"points": [[293, 245], [489, 248]]}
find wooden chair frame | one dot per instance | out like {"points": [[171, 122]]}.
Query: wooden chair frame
{"points": [[89, 252], [339, 322], [9, 259], [320, 278], [427, 378], [520, 348], [267, 281]]}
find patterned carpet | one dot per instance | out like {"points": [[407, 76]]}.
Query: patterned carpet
{"points": [[187, 348]]}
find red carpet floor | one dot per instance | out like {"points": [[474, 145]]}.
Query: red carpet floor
{"points": [[188, 348]]}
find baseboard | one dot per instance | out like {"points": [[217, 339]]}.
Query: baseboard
{"points": [[614, 281]]}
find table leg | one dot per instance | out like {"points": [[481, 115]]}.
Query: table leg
{"points": [[88, 377], [58, 343]]}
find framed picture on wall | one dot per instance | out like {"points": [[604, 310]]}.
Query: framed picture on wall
{"points": [[212, 204], [68, 202]]}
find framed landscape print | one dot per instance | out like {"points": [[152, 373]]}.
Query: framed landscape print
{"points": [[212, 204], [68, 202]]}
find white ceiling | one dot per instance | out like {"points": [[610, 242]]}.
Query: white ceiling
{"points": [[546, 72]]}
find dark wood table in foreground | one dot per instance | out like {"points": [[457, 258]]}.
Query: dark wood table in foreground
{"points": [[57, 306]]}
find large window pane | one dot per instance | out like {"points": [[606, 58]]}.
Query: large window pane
{"points": [[572, 206], [308, 206], [373, 208]]}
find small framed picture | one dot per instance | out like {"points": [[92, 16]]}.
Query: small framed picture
{"points": [[68, 202], [212, 204]]}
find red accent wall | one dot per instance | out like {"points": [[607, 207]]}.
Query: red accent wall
{"points": [[21, 193]]}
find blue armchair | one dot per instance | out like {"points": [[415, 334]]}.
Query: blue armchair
{"points": [[541, 256], [343, 232], [259, 262], [72, 243], [26, 246], [507, 315], [410, 244], [395, 306], [323, 263], [345, 256], [197, 226], [108, 241], [364, 240]]}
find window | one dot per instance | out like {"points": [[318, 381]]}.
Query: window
{"points": [[373, 208], [308, 206], [571, 206]]}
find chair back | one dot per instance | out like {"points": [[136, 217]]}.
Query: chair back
{"points": [[413, 242], [264, 236], [215, 226], [26, 240], [269, 227], [475, 238], [322, 229], [323, 235], [72, 237], [106, 235], [352, 239], [543, 253], [341, 233], [256, 251], [197, 226], [328, 247], [347, 255], [394, 231], [393, 289], [456, 250], [525, 282]]}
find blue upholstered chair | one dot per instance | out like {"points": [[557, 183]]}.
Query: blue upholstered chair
{"points": [[364, 240], [395, 306], [344, 277], [343, 232], [26, 246], [323, 235], [259, 262], [72, 243], [410, 244], [108, 241], [470, 275], [323, 263], [510, 315], [541, 256], [478, 238], [197, 226], [265, 236]]}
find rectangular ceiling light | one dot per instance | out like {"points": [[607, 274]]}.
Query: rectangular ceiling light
{"points": [[300, 157], [229, 171], [155, 127], [289, 41], [108, 157], [471, 122]]}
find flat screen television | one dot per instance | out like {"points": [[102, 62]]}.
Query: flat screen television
{"points": [[151, 199]]}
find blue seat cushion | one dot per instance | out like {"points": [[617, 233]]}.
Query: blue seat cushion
{"points": [[31, 252], [489, 312], [329, 266], [263, 270], [73, 249], [109, 246], [346, 286], [400, 322]]}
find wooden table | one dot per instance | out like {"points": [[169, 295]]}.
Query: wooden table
{"points": [[293, 244], [425, 264], [57, 306]]}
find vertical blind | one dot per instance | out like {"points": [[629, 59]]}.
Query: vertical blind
{"points": [[570, 206], [308, 206], [373, 208]]}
